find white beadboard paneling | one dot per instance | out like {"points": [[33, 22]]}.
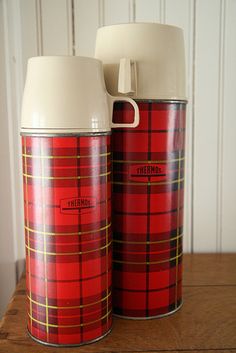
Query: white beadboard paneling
{"points": [[88, 17], [220, 128], [14, 96], [10, 248], [7, 256], [228, 241], [206, 124], [55, 23], [116, 11], [148, 11], [29, 43], [181, 13]]}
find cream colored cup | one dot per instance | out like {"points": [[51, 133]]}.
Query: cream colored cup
{"points": [[143, 60], [67, 94]]}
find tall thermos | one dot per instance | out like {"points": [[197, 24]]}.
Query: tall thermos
{"points": [[66, 123], [146, 62]]}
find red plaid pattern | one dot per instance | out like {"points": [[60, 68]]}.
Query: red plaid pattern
{"points": [[148, 185], [67, 201]]}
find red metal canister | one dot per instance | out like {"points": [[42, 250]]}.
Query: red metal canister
{"points": [[67, 198], [66, 127], [148, 183], [146, 62]]}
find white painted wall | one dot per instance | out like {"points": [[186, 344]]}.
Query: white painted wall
{"points": [[50, 27], [7, 249]]}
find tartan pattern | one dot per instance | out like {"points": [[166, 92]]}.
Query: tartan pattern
{"points": [[147, 209], [67, 204]]}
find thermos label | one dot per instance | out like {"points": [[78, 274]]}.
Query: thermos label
{"points": [[78, 205], [138, 172]]}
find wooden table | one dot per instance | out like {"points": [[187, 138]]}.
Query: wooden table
{"points": [[205, 323]]}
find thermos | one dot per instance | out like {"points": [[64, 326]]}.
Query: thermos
{"points": [[146, 62], [66, 126]]}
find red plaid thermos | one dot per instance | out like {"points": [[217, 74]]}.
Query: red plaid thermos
{"points": [[146, 61], [66, 123]]}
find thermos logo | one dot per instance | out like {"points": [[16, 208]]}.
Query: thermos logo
{"points": [[140, 171], [78, 205]]}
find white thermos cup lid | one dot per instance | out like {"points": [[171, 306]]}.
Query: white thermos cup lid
{"points": [[143, 60], [67, 94]]}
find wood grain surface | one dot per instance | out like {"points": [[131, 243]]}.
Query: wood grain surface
{"points": [[214, 269], [205, 323]]}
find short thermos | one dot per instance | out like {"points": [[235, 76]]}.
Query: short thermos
{"points": [[66, 123], [146, 62]]}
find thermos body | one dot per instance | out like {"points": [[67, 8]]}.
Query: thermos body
{"points": [[147, 195], [67, 200]]}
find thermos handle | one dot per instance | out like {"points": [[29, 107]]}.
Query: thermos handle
{"points": [[127, 80], [135, 123]]}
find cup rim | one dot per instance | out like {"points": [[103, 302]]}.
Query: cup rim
{"points": [[147, 24], [63, 57]]}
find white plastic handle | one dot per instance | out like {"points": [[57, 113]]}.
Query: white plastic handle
{"points": [[135, 123], [127, 80]]}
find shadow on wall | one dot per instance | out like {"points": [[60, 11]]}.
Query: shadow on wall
{"points": [[10, 274]]}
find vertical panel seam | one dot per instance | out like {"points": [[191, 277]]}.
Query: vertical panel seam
{"points": [[194, 24], [101, 13], [69, 27], [220, 126], [39, 27], [18, 97], [73, 26], [188, 167], [132, 10], [162, 11]]}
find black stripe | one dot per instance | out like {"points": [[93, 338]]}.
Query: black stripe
{"points": [[148, 206], [71, 280], [146, 176], [146, 131], [146, 213], [144, 290], [79, 243], [143, 155], [161, 236]]}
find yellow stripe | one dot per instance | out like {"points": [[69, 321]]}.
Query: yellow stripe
{"points": [[69, 307], [65, 177], [69, 326], [147, 242], [146, 263], [177, 245], [65, 157], [149, 161], [149, 183], [28, 239], [44, 242], [107, 262], [68, 253], [75, 233]]}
